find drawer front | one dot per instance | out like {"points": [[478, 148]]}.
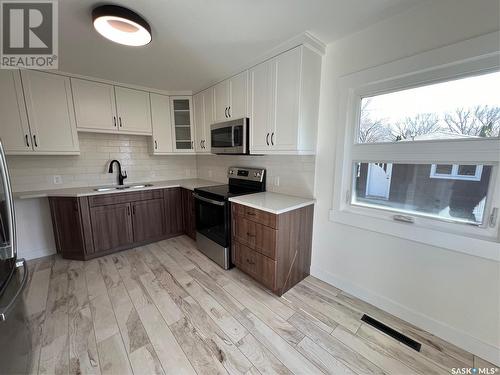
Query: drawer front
{"points": [[256, 236], [256, 265], [117, 198], [249, 213]]}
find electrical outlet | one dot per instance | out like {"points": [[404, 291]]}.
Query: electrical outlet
{"points": [[58, 180]]}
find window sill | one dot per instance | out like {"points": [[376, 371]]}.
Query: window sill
{"points": [[488, 249]]}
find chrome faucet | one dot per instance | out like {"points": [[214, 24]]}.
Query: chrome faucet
{"points": [[121, 175]]}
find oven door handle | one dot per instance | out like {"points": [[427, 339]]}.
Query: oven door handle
{"points": [[212, 201]]}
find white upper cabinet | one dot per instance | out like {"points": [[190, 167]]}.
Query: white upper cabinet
{"points": [[221, 100], [95, 108], [284, 134], [199, 121], [284, 103], [203, 104], [238, 95], [162, 124], [260, 104], [208, 105], [49, 105], [134, 111], [14, 129], [104, 108], [230, 98], [182, 124]]}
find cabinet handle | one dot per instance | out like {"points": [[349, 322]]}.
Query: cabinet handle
{"points": [[120, 120], [156, 145], [27, 141], [229, 111], [128, 210], [201, 144], [272, 138], [114, 120], [225, 112], [133, 210], [192, 144], [250, 234], [34, 140], [251, 213], [204, 144], [267, 139], [250, 262]]}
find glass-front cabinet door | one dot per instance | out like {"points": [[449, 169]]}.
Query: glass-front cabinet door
{"points": [[182, 123]]}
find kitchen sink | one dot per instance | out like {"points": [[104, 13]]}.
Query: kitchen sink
{"points": [[123, 187]]}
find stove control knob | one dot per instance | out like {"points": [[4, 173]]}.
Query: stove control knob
{"points": [[231, 172]]}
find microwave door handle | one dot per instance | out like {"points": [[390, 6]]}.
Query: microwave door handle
{"points": [[8, 251], [232, 136]]}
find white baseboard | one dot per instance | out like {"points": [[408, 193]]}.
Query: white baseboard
{"points": [[34, 254], [455, 336]]}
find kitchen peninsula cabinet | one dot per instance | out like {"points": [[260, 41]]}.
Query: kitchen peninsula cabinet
{"points": [[274, 249]]}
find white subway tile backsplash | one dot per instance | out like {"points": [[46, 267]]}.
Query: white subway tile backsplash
{"points": [[90, 168], [296, 173]]}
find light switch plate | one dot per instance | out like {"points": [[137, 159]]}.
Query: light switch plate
{"points": [[58, 180]]}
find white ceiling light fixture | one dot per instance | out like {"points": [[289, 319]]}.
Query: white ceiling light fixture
{"points": [[121, 25]]}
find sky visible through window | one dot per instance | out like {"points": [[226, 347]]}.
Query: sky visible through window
{"points": [[463, 108]]}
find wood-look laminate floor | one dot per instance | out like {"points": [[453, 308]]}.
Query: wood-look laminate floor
{"points": [[167, 309]]}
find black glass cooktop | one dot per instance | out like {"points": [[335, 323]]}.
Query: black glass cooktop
{"points": [[224, 191]]}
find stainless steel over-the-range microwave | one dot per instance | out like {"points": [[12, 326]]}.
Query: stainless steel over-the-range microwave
{"points": [[230, 137]]}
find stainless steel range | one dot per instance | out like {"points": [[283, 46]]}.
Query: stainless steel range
{"points": [[213, 214]]}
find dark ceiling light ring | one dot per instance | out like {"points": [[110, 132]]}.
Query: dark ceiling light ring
{"points": [[121, 25]]}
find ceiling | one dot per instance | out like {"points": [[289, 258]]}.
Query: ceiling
{"points": [[197, 42]]}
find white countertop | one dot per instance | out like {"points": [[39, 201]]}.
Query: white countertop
{"points": [[272, 202], [190, 184]]}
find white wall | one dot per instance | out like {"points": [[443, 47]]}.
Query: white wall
{"points": [[453, 295], [295, 174], [35, 238]]}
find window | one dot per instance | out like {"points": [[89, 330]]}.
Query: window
{"points": [[418, 151], [465, 109], [457, 172], [413, 189]]}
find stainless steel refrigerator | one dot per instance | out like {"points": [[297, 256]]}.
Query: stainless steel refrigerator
{"points": [[15, 340]]}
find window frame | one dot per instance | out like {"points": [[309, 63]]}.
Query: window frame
{"points": [[454, 175], [472, 57]]}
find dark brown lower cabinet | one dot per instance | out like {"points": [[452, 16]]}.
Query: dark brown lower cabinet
{"points": [[174, 224], [148, 220], [274, 249], [88, 227], [189, 211], [111, 227], [67, 222]]}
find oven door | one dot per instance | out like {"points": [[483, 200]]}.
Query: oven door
{"points": [[212, 219]]}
